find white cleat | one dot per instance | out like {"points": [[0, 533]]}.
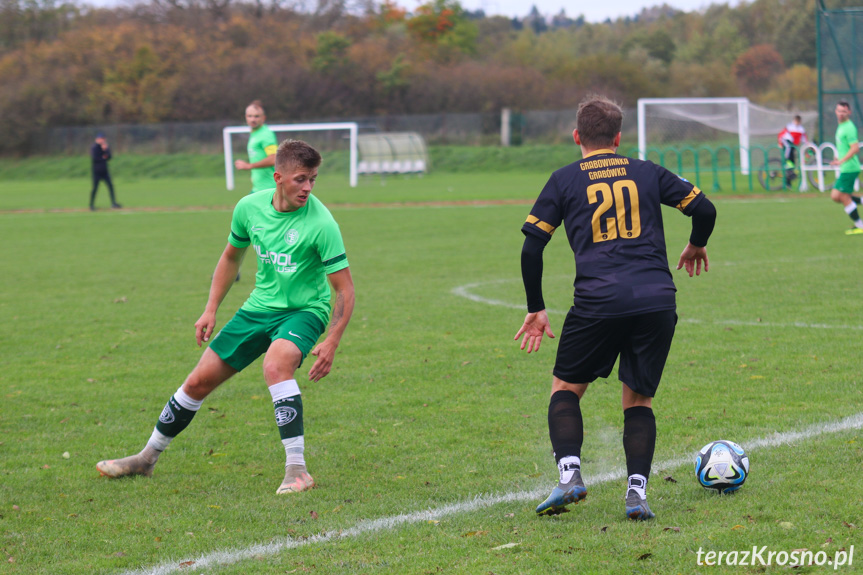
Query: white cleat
{"points": [[132, 465], [296, 479]]}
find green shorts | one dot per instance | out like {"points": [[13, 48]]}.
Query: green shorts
{"points": [[249, 334], [845, 182]]}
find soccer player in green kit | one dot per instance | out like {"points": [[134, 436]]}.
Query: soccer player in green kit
{"points": [[299, 248], [262, 149], [847, 147]]}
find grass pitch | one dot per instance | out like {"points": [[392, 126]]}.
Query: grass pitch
{"points": [[430, 405]]}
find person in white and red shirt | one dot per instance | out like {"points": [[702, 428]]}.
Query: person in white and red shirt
{"points": [[790, 139]]}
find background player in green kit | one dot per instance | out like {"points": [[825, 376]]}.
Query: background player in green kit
{"points": [[299, 248], [847, 147], [262, 148]]}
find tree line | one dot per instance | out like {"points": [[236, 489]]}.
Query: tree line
{"points": [[66, 63]]}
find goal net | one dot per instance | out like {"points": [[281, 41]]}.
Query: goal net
{"points": [[696, 122], [327, 136]]}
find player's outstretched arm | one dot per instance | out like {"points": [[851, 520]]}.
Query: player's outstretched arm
{"points": [[703, 214], [534, 327], [223, 279], [692, 259], [325, 352], [265, 163]]}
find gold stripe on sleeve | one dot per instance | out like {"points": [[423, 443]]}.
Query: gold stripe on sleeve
{"points": [[686, 201], [547, 228]]}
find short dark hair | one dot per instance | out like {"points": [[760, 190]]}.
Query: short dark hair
{"points": [[296, 154], [844, 104], [598, 122], [798, 118]]}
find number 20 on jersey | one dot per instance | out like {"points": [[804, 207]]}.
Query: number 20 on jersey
{"points": [[611, 199]]}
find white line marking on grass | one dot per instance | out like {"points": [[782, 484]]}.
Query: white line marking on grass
{"points": [[771, 324], [465, 292], [231, 556]]}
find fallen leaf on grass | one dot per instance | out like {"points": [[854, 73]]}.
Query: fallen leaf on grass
{"points": [[736, 527], [849, 525], [432, 521], [604, 529], [475, 533], [644, 556], [16, 508], [185, 564], [670, 479], [119, 554], [510, 515], [314, 514], [675, 529], [828, 542], [120, 300], [505, 546]]}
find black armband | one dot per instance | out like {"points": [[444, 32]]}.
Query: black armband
{"points": [[703, 220], [531, 272]]}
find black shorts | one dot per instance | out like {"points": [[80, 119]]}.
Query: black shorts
{"points": [[589, 347]]}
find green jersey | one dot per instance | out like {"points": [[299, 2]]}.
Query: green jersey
{"points": [[262, 143], [295, 251], [846, 134]]}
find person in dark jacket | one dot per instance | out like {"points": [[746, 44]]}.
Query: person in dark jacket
{"points": [[100, 153]]}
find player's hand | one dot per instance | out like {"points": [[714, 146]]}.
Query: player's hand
{"points": [[835, 162], [241, 165], [692, 259], [204, 327], [534, 327], [325, 352]]}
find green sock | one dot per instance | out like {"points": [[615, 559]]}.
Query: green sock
{"points": [[178, 413], [289, 416]]}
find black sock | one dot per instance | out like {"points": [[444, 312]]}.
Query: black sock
{"points": [[639, 439], [565, 426]]}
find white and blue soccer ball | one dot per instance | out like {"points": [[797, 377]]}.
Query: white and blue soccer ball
{"points": [[721, 466]]}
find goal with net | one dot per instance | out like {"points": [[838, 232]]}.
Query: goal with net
{"points": [[332, 127], [693, 122]]}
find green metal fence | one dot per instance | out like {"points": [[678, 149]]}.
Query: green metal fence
{"points": [[718, 169]]}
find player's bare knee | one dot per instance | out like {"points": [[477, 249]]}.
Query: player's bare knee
{"points": [[558, 384], [281, 362], [196, 387]]}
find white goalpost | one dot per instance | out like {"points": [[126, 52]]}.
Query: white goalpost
{"points": [[695, 122], [351, 127], [725, 114]]}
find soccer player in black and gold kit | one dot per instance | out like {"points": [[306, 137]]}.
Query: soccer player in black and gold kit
{"points": [[624, 303]]}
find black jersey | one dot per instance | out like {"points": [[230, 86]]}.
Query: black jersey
{"points": [[610, 206]]}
